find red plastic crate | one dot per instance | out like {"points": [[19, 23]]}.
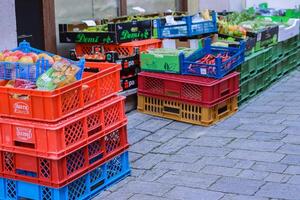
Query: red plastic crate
{"points": [[54, 105], [54, 140], [204, 91], [124, 49], [127, 49], [58, 173]]}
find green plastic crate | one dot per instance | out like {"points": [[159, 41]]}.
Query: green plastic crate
{"points": [[253, 86], [162, 60], [254, 64], [290, 45]]}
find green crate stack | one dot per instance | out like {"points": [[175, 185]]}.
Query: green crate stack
{"points": [[263, 68]]}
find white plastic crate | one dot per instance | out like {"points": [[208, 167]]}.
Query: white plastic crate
{"points": [[289, 32]]}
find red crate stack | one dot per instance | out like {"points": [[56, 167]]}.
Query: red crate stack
{"points": [[54, 138]]}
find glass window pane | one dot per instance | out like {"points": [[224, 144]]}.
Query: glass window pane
{"points": [[150, 6], [105, 8], [67, 11]]}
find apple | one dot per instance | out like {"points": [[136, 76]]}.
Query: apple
{"points": [[11, 59], [34, 56], [6, 54], [19, 54], [46, 57], [26, 59]]}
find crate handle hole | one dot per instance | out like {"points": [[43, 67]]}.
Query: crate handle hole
{"points": [[94, 130], [171, 110], [24, 144], [97, 185], [26, 173], [172, 93], [222, 110], [20, 96], [225, 92]]}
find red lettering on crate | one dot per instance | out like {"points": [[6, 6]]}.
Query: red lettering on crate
{"points": [[24, 133], [21, 108]]}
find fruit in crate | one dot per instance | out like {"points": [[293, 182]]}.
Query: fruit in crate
{"points": [[26, 59], [34, 56], [46, 57], [11, 59]]}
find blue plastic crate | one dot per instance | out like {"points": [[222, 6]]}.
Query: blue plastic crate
{"points": [[186, 28], [85, 187], [189, 66], [14, 70]]}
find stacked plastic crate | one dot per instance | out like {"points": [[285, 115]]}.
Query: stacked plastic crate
{"points": [[127, 54], [263, 68], [69, 143], [202, 90]]}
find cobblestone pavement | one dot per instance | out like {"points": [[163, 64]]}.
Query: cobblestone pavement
{"points": [[253, 155]]}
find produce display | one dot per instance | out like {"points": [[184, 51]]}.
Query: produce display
{"points": [[210, 59], [36, 69], [60, 74], [22, 57]]}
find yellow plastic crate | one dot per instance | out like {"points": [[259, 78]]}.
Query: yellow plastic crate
{"points": [[185, 112]]}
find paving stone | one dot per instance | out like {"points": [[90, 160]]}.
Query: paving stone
{"points": [[163, 135], [145, 188], [144, 146], [274, 116], [222, 171], [269, 167], [264, 136], [292, 170], [292, 139], [255, 145], [229, 133], [241, 197], [262, 109], [137, 172], [208, 141], [153, 125], [184, 193], [290, 110], [252, 174], [132, 116], [290, 149], [152, 175], [115, 195], [280, 191], [295, 180], [204, 151], [148, 161], [237, 185], [172, 146], [291, 159], [188, 179], [189, 167], [145, 197], [262, 127], [246, 115], [183, 158], [291, 123], [244, 164], [194, 132], [229, 123], [218, 161], [134, 156], [292, 130], [279, 178], [135, 135], [179, 126], [256, 155]]}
